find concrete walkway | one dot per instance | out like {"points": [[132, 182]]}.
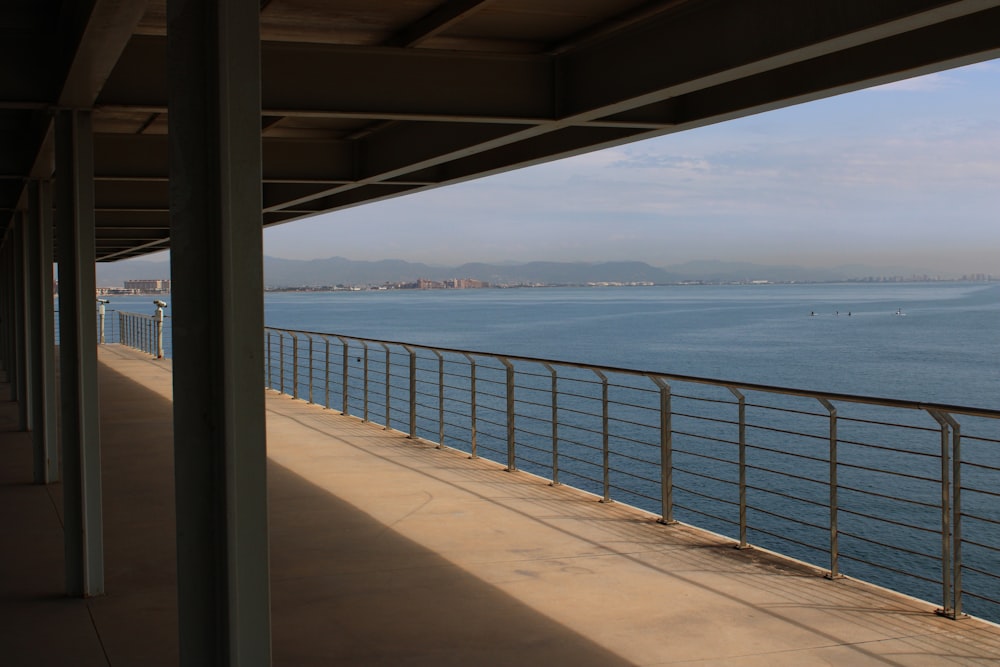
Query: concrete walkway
{"points": [[388, 551]]}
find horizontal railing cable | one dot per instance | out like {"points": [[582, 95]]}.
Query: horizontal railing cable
{"points": [[888, 490]]}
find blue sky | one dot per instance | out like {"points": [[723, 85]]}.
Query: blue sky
{"points": [[903, 175]]}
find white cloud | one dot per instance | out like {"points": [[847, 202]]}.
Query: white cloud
{"points": [[929, 83], [865, 173]]}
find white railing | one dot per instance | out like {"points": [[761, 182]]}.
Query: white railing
{"points": [[903, 494]]}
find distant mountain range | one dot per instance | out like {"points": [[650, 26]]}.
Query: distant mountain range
{"points": [[340, 271]]}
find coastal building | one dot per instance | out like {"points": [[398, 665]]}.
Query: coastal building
{"points": [[157, 286], [132, 126], [451, 283]]}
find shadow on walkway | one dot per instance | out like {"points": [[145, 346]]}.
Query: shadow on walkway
{"points": [[345, 588]]}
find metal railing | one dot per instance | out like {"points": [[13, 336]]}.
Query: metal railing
{"points": [[106, 320], [903, 494], [145, 332]]}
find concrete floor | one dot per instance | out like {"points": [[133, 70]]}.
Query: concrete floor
{"points": [[388, 551]]}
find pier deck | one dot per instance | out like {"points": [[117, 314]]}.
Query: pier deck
{"points": [[389, 551]]}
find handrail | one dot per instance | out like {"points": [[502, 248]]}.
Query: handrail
{"points": [[146, 333], [893, 491], [693, 379]]}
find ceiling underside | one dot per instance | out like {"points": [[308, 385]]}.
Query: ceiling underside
{"points": [[365, 100]]}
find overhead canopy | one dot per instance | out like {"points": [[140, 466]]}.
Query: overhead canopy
{"points": [[365, 100]]}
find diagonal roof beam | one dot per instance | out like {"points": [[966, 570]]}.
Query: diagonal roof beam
{"points": [[119, 157], [108, 30], [603, 78], [594, 82], [131, 250], [102, 40], [600, 31], [438, 20], [969, 39], [682, 69]]}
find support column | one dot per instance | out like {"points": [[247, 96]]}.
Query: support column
{"points": [[216, 238], [28, 406], [5, 316], [41, 337], [19, 383], [80, 432]]}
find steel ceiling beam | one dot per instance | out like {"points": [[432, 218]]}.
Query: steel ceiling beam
{"points": [[441, 18], [747, 39], [967, 39], [371, 82], [450, 116]]}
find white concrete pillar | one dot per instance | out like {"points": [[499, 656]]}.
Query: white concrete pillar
{"points": [[19, 384], [41, 339], [216, 241], [80, 429]]}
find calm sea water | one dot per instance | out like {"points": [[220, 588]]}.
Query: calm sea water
{"points": [[944, 348], [929, 342]]}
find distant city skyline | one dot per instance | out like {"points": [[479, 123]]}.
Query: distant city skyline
{"points": [[902, 175]]}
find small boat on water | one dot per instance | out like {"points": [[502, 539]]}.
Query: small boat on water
{"points": [[900, 313]]}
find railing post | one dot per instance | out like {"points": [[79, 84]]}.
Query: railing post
{"points": [[555, 423], [295, 365], [364, 391], [326, 373], [413, 391], [344, 368], [834, 485], [742, 402], [666, 452], [472, 404], [947, 608], [281, 360], [956, 509], [511, 432], [951, 518], [605, 453], [270, 383], [388, 387], [440, 359], [310, 367]]}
